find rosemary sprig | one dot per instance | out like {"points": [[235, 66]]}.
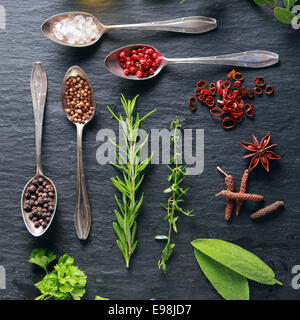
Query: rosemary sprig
{"points": [[175, 199], [128, 162]]}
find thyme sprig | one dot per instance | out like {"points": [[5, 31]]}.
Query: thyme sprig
{"points": [[129, 163], [175, 199]]}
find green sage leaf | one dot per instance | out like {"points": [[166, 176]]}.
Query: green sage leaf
{"points": [[237, 259], [289, 3], [284, 15], [229, 284], [269, 3]]}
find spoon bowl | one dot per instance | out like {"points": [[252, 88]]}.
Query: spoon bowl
{"points": [[112, 63], [248, 59], [37, 232], [48, 28], [195, 24], [76, 71]]}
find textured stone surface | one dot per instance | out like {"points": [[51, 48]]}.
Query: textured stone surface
{"points": [[242, 26]]}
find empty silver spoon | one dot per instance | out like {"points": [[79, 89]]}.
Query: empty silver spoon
{"points": [[196, 24], [38, 92], [249, 59], [82, 215]]}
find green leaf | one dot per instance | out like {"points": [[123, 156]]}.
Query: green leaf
{"points": [[237, 259], [229, 284], [270, 3], [289, 3], [161, 237], [42, 257], [66, 281], [100, 298], [168, 190], [284, 15]]}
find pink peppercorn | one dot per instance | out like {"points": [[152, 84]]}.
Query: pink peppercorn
{"points": [[141, 62]]}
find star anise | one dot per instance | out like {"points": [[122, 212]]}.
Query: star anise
{"points": [[260, 152]]}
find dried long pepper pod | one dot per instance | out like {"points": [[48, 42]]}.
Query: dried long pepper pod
{"points": [[243, 189], [266, 210], [229, 181], [240, 196]]}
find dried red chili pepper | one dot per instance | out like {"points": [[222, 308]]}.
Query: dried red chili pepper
{"points": [[212, 88], [260, 81], [201, 84], [269, 89], [198, 92], [231, 105], [243, 90], [258, 91], [219, 87], [226, 84], [201, 98], [250, 93], [192, 104], [249, 110], [230, 74], [229, 120], [237, 83], [214, 112], [210, 101], [238, 76]]}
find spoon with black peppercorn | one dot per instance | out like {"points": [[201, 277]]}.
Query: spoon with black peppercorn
{"points": [[78, 102], [39, 197], [146, 66], [81, 29]]}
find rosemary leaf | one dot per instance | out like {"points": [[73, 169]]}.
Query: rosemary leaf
{"points": [[130, 179]]}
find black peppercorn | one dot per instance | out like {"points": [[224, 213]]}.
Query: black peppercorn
{"points": [[40, 180], [26, 208], [36, 224], [32, 189], [51, 209], [35, 182], [40, 201], [44, 225]]}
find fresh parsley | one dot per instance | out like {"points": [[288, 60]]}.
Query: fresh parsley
{"points": [[64, 282]]}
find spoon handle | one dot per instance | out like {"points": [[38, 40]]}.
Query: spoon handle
{"points": [[82, 216], [38, 84], [249, 59], [196, 24]]}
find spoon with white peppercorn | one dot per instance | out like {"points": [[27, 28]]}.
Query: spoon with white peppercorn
{"points": [[39, 197], [78, 102]]}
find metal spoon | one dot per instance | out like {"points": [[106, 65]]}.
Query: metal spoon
{"points": [[82, 215], [249, 59], [38, 92], [196, 24]]}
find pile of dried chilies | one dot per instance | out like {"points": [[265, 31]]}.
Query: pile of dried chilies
{"points": [[231, 106]]}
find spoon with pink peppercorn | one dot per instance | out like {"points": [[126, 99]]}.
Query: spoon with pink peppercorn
{"points": [[81, 29], [142, 62], [39, 197]]}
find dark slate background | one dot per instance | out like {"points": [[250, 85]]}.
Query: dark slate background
{"points": [[241, 26]]}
